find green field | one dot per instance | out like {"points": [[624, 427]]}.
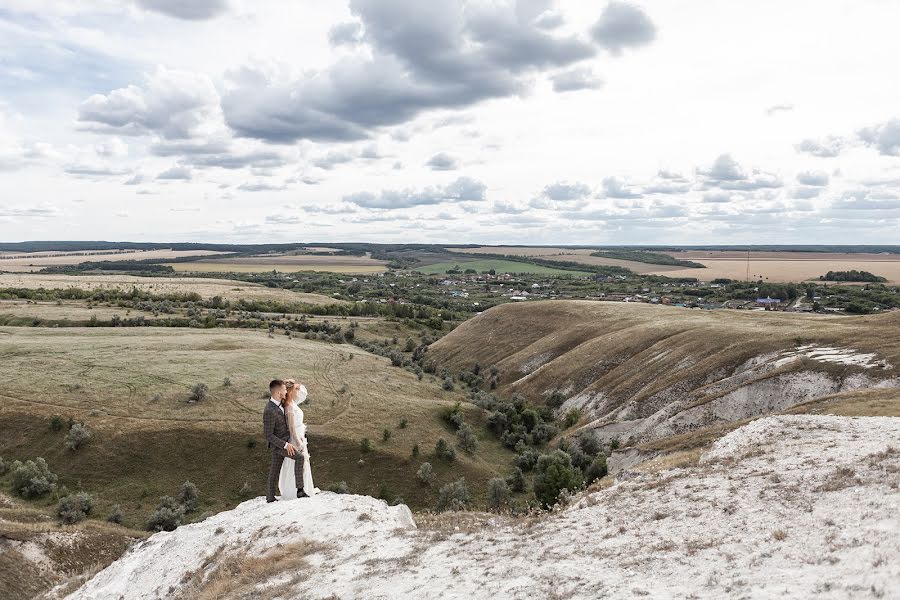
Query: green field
{"points": [[500, 266]]}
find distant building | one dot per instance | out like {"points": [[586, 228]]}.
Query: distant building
{"points": [[769, 303]]}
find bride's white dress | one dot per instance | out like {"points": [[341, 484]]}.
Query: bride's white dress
{"points": [[286, 480]]}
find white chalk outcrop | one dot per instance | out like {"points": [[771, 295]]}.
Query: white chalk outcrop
{"points": [[786, 507]]}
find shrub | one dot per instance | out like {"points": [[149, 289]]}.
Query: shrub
{"points": [[199, 392], [527, 460], [596, 470], [75, 508], [516, 480], [554, 473], [453, 416], [589, 443], [3, 467], [32, 479], [415, 450], [251, 443], [425, 474], [78, 435], [188, 496], [365, 445], [56, 423], [498, 493], [340, 488], [443, 450], [466, 438], [454, 496], [555, 399], [168, 515], [403, 423], [226, 382], [115, 515], [571, 418], [386, 435], [448, 384]]}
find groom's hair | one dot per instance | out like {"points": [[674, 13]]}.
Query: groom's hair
{"points": [[275, 383]]}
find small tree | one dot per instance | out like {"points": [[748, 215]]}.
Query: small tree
{"points": [[226, 382], [554, 473], [168, 515], [56, 423], [199, 392], [403, 423], [448, 384], [386, 435], [596, 470], [415, 450], [454, 496], [516, 480], [32, 479], [425, 474], [466, 438], [498, 494], [78, 435], [444, 451], [115, 515], [188, 496], [75, 508], [365, 445]]}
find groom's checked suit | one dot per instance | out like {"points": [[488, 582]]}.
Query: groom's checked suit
{"points": [[275, 429]]}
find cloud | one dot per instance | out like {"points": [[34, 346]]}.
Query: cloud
{"points": [[111, 148], [422, 56], [563, 191], [717, 197], [349, 33], [827, 147], [282, 220], [816, 178], [260, 186], [31, 212], [442, 162], [726, 173], [805, 192], [622, 26], [574, 80], [177, 172], [463, 189], [135, 179], [867, 199], [777, 108], [508, 208], [339, 209], [191, 10], [94, 170], [549, 19], [885, 137], [614, 187], [173, 104]]}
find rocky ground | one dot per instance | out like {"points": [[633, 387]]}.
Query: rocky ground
{"points": [[787, 507]]}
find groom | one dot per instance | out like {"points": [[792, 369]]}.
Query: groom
{"points": [[278, 436]]}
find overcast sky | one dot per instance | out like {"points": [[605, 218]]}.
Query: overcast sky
{"points": [[660, 122]]}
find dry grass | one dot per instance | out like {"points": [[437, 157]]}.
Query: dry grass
{"points": [[33, 261], [228, 289], [359, 265], [228, 574], [582, 255]]}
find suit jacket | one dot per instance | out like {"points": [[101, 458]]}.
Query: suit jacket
{"points": [[275, 427]]}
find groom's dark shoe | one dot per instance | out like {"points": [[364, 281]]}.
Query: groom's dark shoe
{"points": [[302, 494], [272, 500]]}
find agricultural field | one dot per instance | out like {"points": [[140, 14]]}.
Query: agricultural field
{"points": [[578, 255], [500, 266], [207, 288], [35, 261], [780, 267], [132, 387], [288, 263]]}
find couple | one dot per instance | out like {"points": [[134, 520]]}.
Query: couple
{"points": [[285, 434]]}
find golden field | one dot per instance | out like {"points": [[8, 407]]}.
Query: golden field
{"points": [[35, 261], [352, 265]]}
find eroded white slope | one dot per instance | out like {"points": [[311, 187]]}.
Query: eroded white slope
{"points": [[787, 507]]}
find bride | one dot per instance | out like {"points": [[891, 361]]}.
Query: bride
{"points": [[296, 395]]}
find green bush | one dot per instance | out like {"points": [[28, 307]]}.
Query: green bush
{"points": [[340, 488], [4, 468], [188, 496], [403, 423], [527, 460], [386, 435], [554, 473], [498, 494], [78, 435], [571, 418], [168, 515], [516, 480], [425, 474], [56, 423], [454, 496], [199, 392], [415, 450], [75, 508], [444, 450], [448, 384], [465, 438], [33, 479], [595, 470], [115, 515], [365, 445]]}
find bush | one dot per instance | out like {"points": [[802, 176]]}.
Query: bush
{"points": [[466, 439], [498, 494], [188, 496], [448, 384], [596, 470], [571, 418], [425, 474], [168, 516], [32, 479], [554, 473], [527, 460], [78, 435], [444, 451], [226, 382], [386, 435], [115, 515], [454, 496], [340, 488], [199, 392], [516, 480], [415, 450], [75, 508], [3, 467], [365, 445], [453, 416], [403, 423], [56, 423]]}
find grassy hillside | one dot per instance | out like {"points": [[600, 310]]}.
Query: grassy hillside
{"points": [[647, 372], [131, 387], [500, 266]]}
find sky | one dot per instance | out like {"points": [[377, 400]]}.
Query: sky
{"points": [[448, 121]]}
